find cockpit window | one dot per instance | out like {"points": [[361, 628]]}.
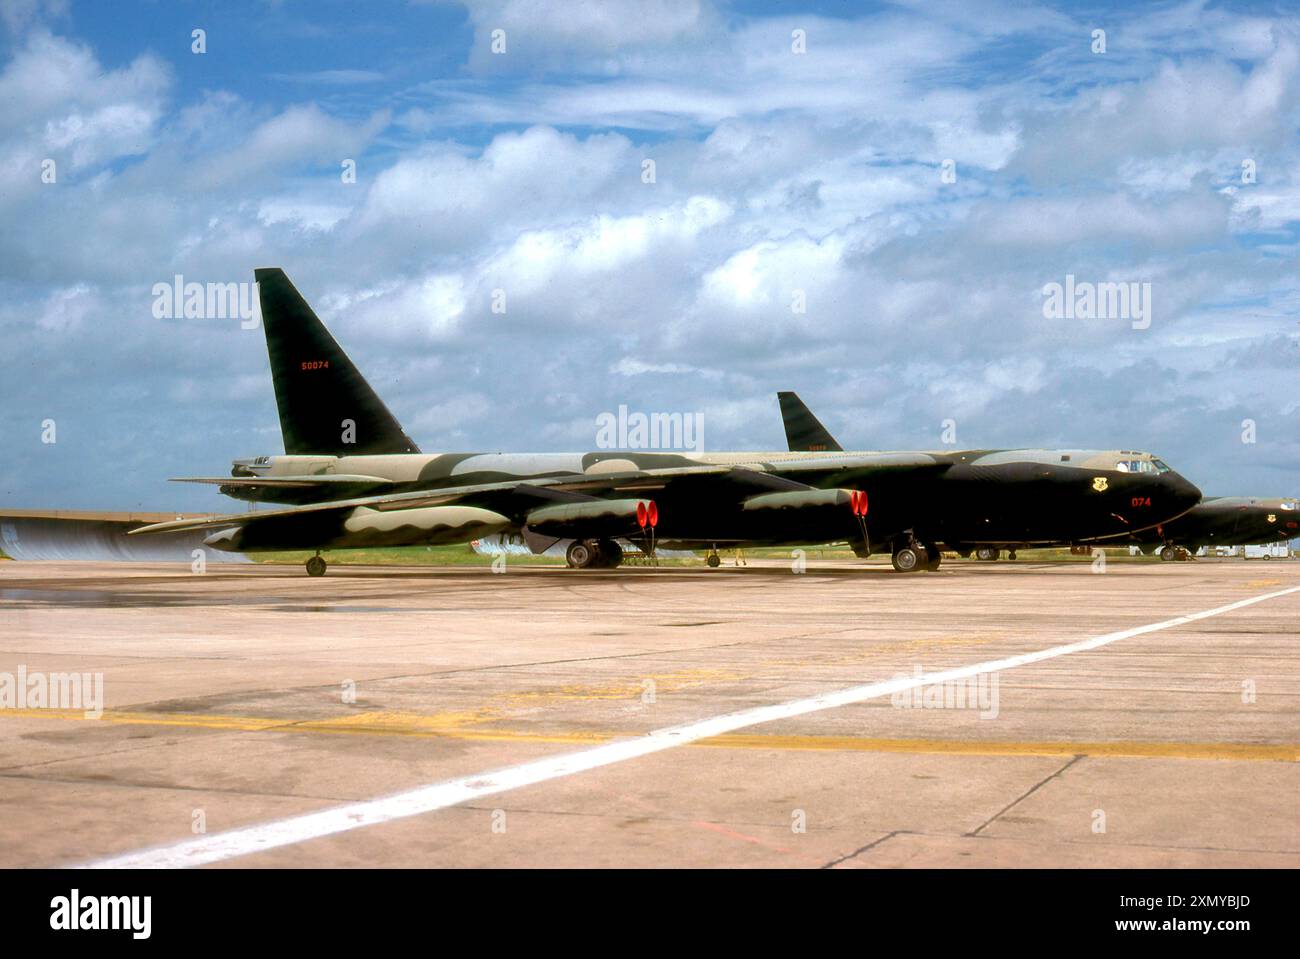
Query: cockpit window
{"points": [[1289, 504], [1141, 466]]}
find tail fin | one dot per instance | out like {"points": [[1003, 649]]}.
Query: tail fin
{"points": [[324, 400], [803, 431]]}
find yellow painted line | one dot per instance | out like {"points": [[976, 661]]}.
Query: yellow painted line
{"points": [[451, 726], [1286, 752], [366, 724], [187, 720]]}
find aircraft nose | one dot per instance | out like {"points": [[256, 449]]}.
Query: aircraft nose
{"points": [[1183, 492]]}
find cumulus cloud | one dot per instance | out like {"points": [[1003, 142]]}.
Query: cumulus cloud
{"points": [[503, 268], [61, 105], [1184, 108], [19, 15], [533, 32]]}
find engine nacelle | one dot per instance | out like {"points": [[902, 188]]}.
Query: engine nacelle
{"points": [[362, 527], [800, 499], [425, 525], [593, 518]]}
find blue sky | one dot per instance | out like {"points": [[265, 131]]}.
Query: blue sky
{"points": [[777, 173]]}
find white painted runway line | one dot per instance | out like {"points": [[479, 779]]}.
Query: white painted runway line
{"points": [[295, 829]]}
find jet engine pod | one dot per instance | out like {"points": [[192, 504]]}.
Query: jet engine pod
{"points": [[421, 526], [801, 499], [593, 518], [809, 515], [361, 527]]}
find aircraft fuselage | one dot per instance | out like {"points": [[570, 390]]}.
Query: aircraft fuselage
{"points": [[954, 498]]}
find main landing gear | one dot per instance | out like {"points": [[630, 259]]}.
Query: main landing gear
{"points": [[914, 557], [594, 554], [316, 566]]}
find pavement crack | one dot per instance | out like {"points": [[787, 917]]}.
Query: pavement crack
{"points": [[858, 852], [1021, 798]]}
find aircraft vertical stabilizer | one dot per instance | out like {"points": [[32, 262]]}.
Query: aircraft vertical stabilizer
{"points": [[323, 398], [803, 431]]}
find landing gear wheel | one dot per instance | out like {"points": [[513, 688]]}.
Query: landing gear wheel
{"points": [[1168, 554], [581, 554], [1011, 555], [909, 559], [987, 554], [932, 557], [714, 561], [610, 554], [315, 566]]}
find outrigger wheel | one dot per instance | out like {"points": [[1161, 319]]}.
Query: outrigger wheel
{"points": [[713, 559], [316, 566]]}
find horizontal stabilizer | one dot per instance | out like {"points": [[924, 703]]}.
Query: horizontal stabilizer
{"points": [[295, 482]]}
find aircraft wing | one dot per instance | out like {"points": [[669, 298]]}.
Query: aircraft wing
{"points": [[734, 481]]}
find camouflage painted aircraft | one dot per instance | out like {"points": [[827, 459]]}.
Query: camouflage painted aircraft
{"points": [[1224, 521], [352, 477], [1215, 521]]}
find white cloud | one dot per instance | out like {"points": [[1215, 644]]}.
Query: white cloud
{"points": [[61, 105], [776, 173], [296, 135], [1206, 103], [536, 31]]}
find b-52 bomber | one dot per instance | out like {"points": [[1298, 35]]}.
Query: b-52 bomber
{"points": [[1215, 521], [351, 477], [1224, 521]]}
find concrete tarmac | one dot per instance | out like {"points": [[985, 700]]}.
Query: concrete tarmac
{"points": [[245, 695]]}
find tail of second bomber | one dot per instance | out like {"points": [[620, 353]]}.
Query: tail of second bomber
{"points": [[326, 405], [803, 431]]}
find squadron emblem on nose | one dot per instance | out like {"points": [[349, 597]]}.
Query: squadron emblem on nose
{"points": [[1272, 517], [1099, 483]]}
